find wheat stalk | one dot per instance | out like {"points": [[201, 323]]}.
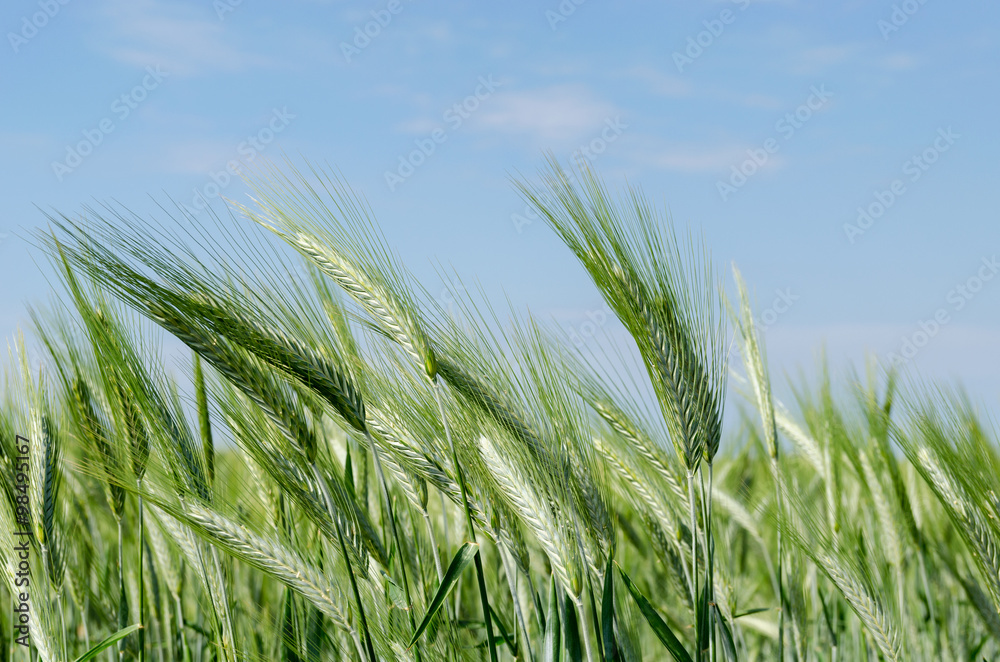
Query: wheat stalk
{"points": [[537, 516], [872, 614]]}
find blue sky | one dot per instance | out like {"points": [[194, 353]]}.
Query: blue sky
{"points": [[768, 126]]}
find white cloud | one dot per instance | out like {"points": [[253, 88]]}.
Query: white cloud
{"points": [[819, 59], [196, 156], [662, 84], [182, 40], [418, 126], [25, 141], [559, 114], [899, 61], [763, 101], [649, 152], [965, 349]]}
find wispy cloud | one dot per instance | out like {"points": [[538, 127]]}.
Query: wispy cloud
{"points": [[660, 83], [549, 116], [819, 59], [648, 152], [14, 140], [899, 61], [196, 156], [967, 349], [184, 40]]}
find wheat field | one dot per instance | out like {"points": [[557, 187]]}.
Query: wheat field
{"points": [[342, 468]]}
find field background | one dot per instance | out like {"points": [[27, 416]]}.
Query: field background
{"points": [[861, 524]]}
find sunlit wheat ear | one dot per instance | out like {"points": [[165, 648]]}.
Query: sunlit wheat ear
{"points": [[279, 402], [138, 436], [204, 559], [289, 354], [331, 226], [797, 435], [942, 447], [645, 490], [883, 509], [270, 557], [972, 526], [755, 365], [199, 303], [483, 397], [872, 614], [849, 573], [123, 366], [641, 443], [389, 432], [536, 515]]}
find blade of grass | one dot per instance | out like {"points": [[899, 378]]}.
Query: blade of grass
{"points": [[459, 563], [114, 638], [660, 627]]}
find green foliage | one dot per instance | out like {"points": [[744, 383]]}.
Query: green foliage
{"points": [[236, 523]]}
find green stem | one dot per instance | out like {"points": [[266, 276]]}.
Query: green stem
{"points": [[581, 610], [480, 575], [709, 559], [434, 546], [62, 623], [511, 571], [357, 594], [142, 583], [694, 561], [181, 626], [401, 551], [83, 619], [590, 590], [122, 609], [781, 563], [370, 649]]}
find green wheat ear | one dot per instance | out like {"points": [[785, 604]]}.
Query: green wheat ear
{"points": [[333, 227], [659, 287]]}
